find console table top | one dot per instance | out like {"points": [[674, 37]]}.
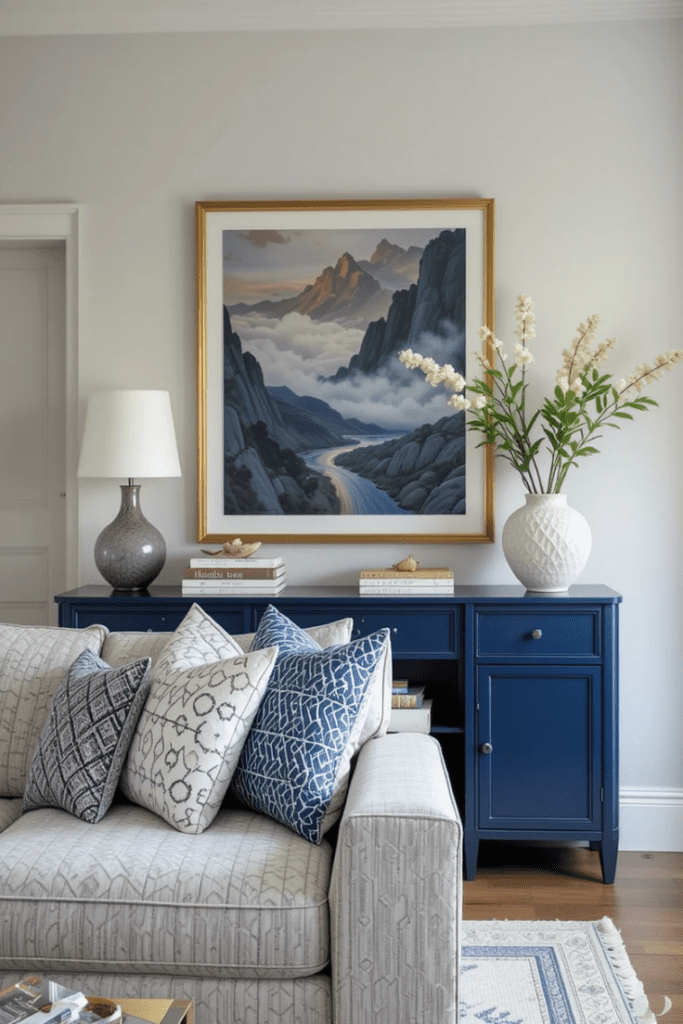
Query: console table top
{"points": [[486, 593]]}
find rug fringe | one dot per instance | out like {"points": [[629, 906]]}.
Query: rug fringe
{"points": [[630, 983]]}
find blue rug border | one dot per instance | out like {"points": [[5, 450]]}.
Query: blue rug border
{"points": [[549, 973]]}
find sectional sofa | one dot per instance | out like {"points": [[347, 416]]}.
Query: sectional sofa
{"points": [[113, 881]]}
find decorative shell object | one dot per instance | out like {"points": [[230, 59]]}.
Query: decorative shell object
{"points": [[408, 564], [236, 549]]}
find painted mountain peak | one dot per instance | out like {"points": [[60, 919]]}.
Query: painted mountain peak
{"points": [[344, 292], [427, 312], [393, 266]]}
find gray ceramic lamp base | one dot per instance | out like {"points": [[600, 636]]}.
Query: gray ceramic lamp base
{"points": [[130, 552]]}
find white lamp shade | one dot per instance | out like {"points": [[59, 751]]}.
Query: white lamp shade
{"points": [[129, 434]]}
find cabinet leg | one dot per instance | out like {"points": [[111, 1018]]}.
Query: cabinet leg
{"points": [[608, 857], [470, 851]]}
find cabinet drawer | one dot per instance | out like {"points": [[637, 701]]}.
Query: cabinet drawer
{"points": [[149, 620], [538, 634], [414, 634]]}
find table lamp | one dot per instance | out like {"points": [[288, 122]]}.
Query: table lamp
{"points": [[129, 434]]}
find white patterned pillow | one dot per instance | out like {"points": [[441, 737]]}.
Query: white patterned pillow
{"points": [[203, 698], [296, 758], [86, 737], [33, 660]]}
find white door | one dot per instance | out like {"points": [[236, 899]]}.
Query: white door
{"points": [[32, 431]]}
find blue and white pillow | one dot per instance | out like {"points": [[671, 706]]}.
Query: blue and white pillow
{"points": [[276, 630], [295, 758]]}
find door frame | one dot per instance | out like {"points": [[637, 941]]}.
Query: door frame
{"points": [[60, 222]]}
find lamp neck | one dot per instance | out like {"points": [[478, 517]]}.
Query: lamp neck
{"points": [[130, 496]]}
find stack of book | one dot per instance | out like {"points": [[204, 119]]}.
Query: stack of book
{"points": [[394, 583], [403, 695], [216, 576], [410, 710]]}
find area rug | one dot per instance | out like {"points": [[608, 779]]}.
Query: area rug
{"points": [[548, 972]]}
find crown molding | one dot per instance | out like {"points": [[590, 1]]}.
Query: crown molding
{"points": [[97, 17]]}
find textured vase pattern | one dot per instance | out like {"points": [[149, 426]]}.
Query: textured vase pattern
{"points": [[546, 543]]}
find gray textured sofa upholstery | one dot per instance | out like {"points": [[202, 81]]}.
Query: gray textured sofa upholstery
{"points": [[248, 919]]}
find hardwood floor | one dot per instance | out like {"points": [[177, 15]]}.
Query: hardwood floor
{"points": [[518, 881]]}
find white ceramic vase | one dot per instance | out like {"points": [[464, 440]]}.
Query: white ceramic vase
{"points": [[546, 543]]}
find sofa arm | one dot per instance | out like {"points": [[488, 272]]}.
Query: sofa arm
{"points": [[396, 888]]}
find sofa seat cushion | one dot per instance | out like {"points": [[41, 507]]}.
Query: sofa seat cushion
{"points": [[247, 898], [10, 810]]}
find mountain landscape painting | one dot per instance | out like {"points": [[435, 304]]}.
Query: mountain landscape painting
{"points": [[320, 417]]}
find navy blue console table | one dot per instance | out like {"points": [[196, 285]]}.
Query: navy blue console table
{"points": [[524, 689]]}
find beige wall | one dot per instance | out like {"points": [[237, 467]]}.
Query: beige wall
{"points": [[574, 130]]}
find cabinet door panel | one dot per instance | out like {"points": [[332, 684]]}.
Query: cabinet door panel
{"points": [[544, 768]]}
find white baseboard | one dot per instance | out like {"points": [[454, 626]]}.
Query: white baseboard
{"points": [[651, 819]]}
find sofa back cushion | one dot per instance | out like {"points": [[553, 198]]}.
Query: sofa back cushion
{"points": [[33, 660], [120, 648]]}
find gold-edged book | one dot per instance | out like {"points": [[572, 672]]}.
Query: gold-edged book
{"points": [[396, 574], [410, 698]]}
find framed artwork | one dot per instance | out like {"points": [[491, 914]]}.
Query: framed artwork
{"points": [[310, 429]]}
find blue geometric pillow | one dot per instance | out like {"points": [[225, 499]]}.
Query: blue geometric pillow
{"points": [[276, 630], [289, 765]]}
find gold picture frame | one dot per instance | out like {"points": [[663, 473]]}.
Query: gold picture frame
{"points": [[276, 314]]}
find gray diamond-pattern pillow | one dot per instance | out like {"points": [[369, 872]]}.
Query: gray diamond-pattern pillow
{"points": [[86, 737]]}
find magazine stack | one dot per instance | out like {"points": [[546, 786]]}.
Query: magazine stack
{"points": [[396, 583], [216, 576]]}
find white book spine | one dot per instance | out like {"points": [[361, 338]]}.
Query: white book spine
{"points": [[199, 587], [405, 592], [441, 584]]}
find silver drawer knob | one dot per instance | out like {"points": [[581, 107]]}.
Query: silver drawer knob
{"points": [[486, 748], [536, 634]]}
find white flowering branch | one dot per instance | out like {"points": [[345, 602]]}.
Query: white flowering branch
{"points": [[583, 400]]}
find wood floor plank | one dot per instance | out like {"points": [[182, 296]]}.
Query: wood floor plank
{"points": [[524, 882]]}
